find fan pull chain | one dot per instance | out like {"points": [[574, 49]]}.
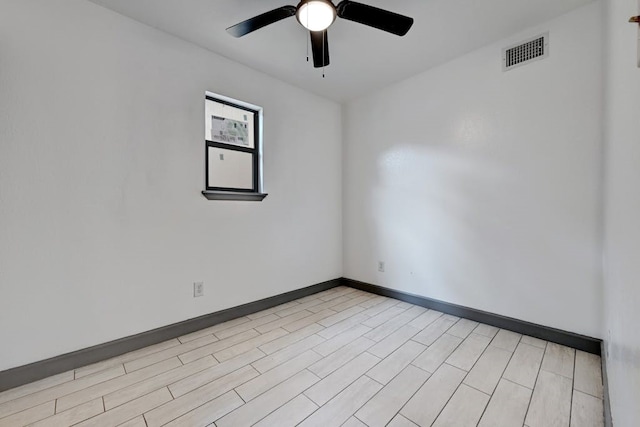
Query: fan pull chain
{"points": [[324, 34]]}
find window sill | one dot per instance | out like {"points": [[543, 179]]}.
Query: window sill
{"points": [[228, 195]]}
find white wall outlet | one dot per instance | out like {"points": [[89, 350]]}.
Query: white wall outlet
{"points": [[381, 266], [198, 289]]}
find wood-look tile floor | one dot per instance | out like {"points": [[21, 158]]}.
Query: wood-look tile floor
{"points": [[337, 358]]}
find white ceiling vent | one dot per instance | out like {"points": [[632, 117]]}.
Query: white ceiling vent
{"points": [[533, 49]]}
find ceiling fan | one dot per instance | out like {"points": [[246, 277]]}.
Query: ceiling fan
{"points": [[318, 15]]}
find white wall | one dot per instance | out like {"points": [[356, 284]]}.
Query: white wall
{"points": [[103, 228], [481, 188], [622, 212]]}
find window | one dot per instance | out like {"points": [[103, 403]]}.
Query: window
{"points": [[233, 149]]}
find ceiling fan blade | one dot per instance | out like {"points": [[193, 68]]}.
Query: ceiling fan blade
{"points": [[320, 48], [257, 22], [374, 17]]}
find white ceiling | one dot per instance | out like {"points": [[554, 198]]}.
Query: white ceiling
{"points": [[362, 58]]}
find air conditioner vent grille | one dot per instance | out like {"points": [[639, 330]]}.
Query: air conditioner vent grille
{"points": [[533, 49]]}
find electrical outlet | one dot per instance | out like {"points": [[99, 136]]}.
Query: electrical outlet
{"points": [[381, 266], [198, 289]]}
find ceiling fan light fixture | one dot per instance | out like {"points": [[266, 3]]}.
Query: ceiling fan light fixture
{"points": [[316, 15]]}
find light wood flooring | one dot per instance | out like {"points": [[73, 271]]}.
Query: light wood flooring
{"points": [[342, 357]]}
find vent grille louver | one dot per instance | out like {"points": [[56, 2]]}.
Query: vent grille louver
{"points": [[525, 52]]}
